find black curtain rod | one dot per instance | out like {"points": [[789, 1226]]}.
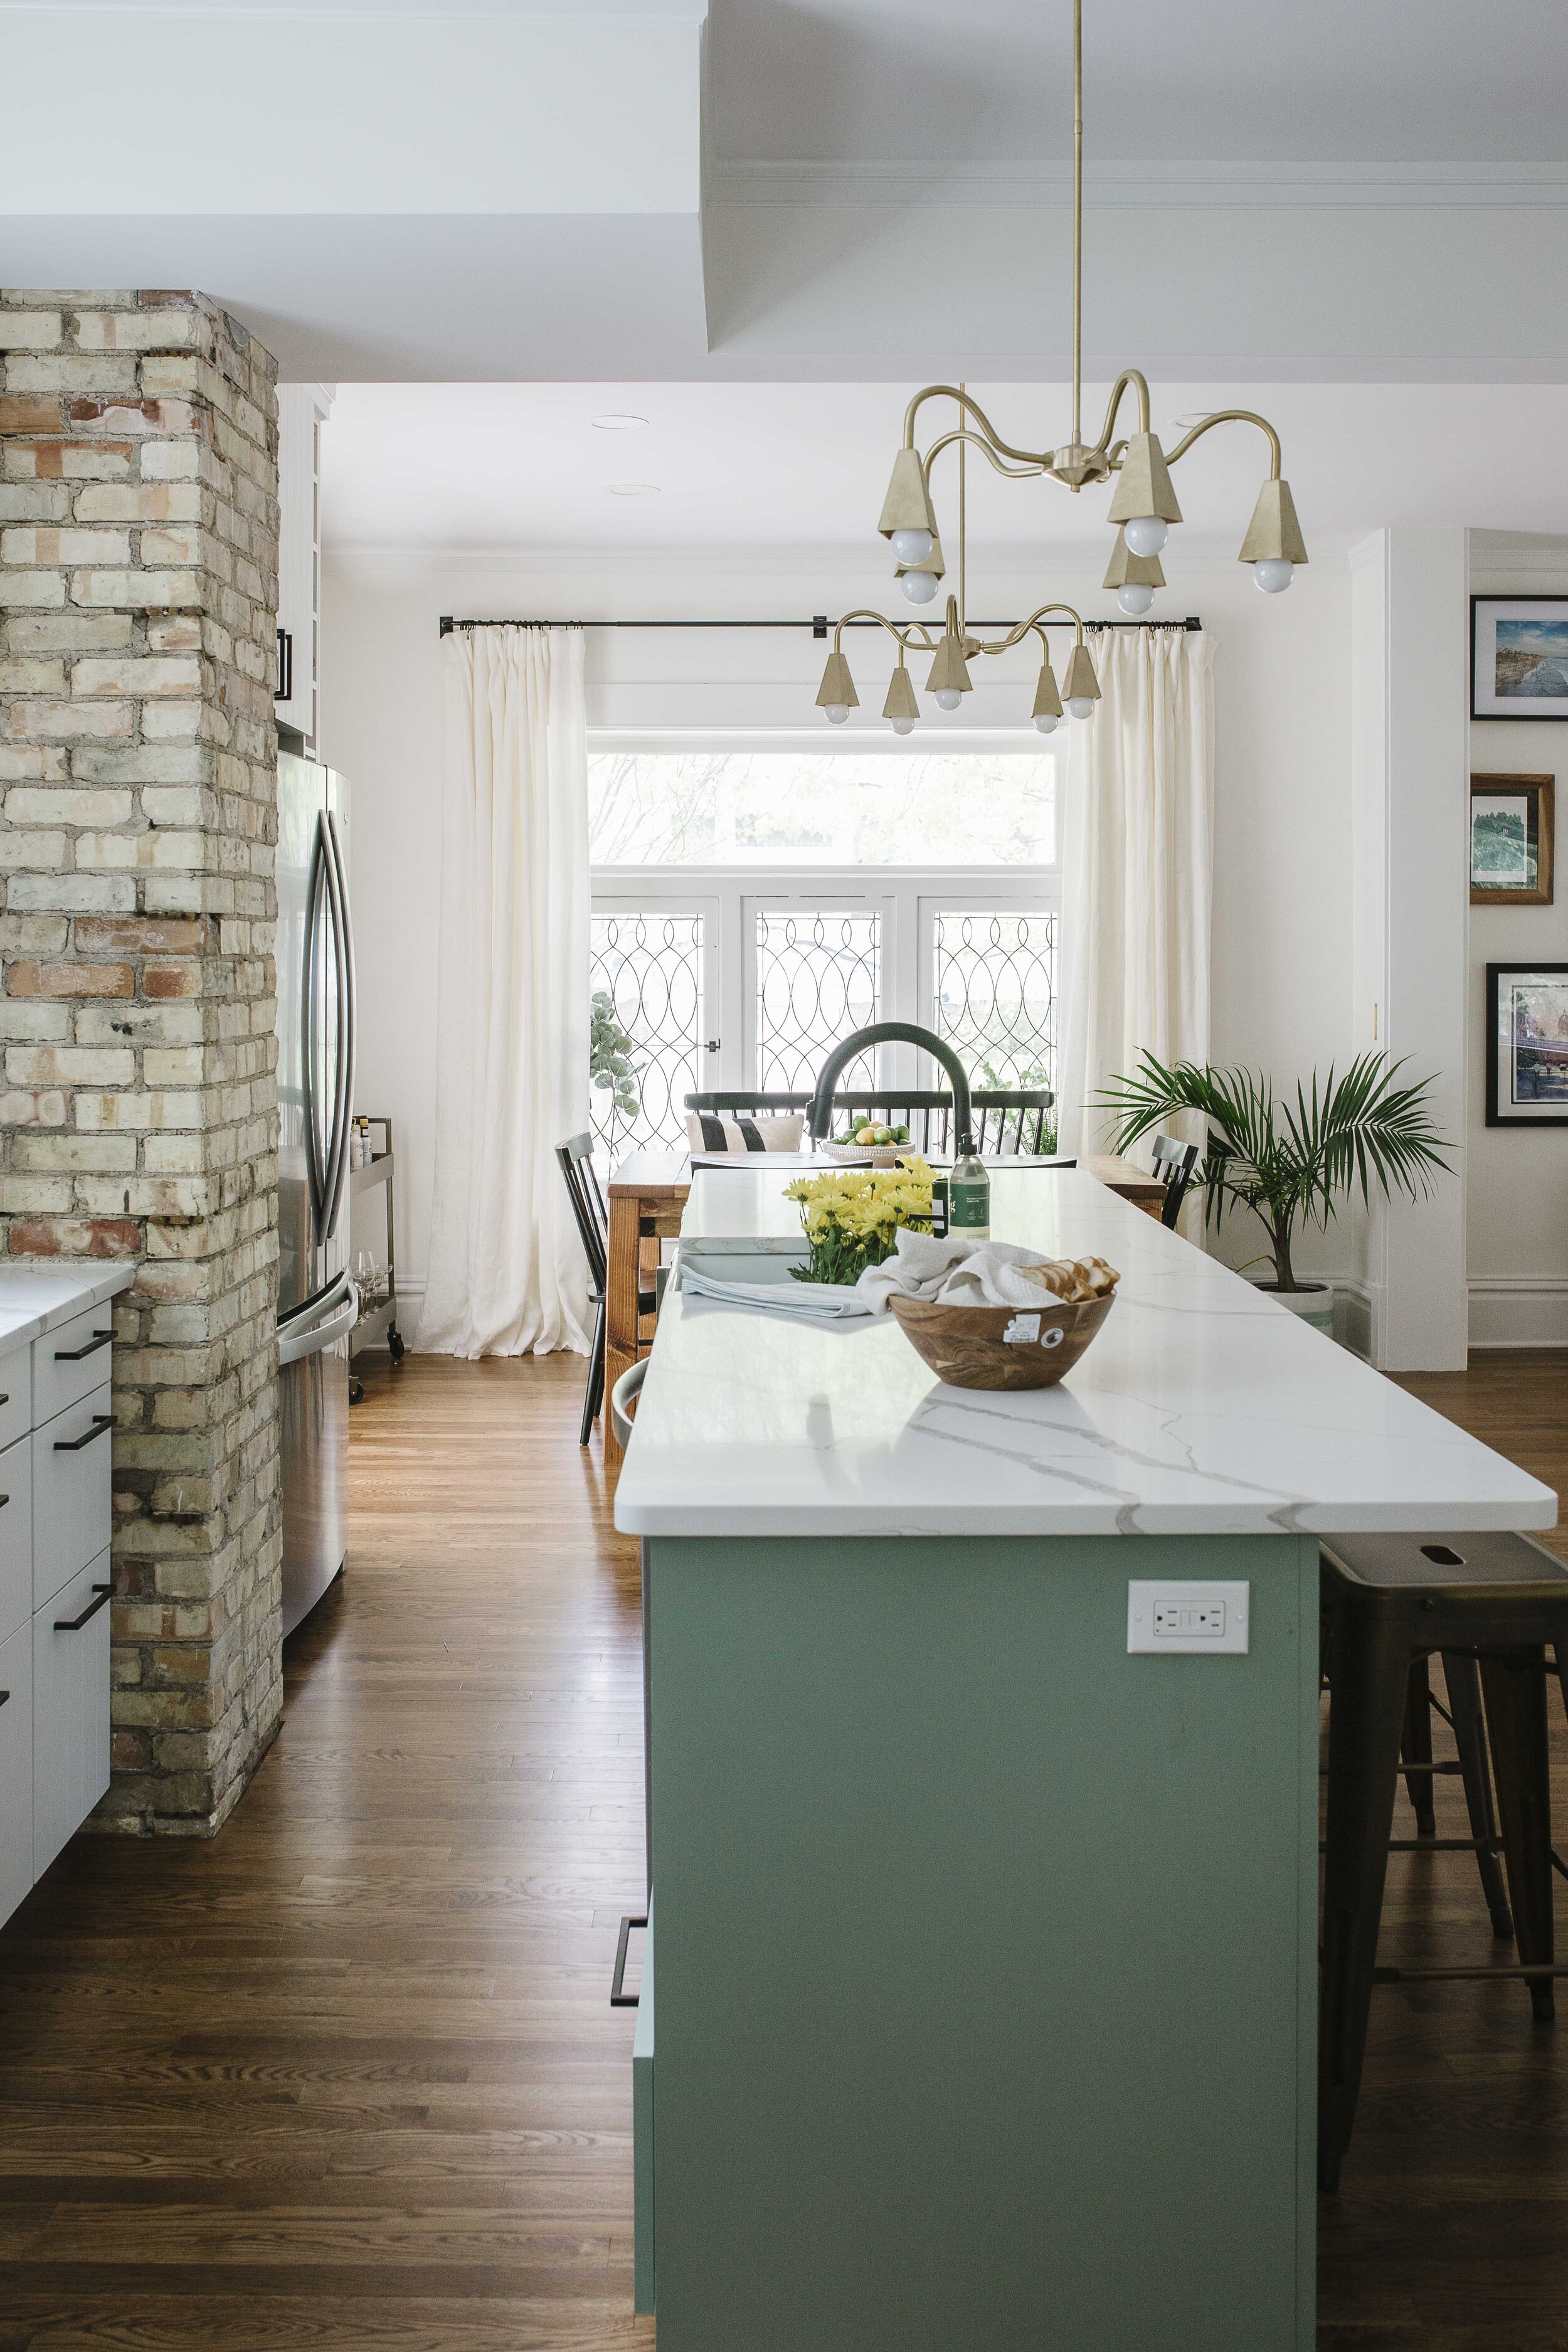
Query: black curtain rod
{"points": [[819, 624]]}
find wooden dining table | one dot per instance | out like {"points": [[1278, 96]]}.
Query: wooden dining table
{"points": [[647, 1195]]}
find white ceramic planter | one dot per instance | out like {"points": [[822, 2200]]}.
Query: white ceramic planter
{"points": [[1314, 1304]]}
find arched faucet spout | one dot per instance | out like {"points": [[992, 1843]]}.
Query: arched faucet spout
{"points": [[883, 1032]]}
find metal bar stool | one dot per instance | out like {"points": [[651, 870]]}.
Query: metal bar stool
{"points": [[1390, 1603]]}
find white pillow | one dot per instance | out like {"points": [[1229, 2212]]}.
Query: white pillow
{"points": [[711, 1130]]}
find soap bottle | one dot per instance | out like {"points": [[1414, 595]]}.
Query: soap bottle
{"points": [[969, 1195]]}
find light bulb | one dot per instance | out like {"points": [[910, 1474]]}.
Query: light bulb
{"points": [[912, 546], [836, 713], [1080, 706], [1273, 574], [1146, 534], [1135, 596], [919, 587], [1046, 720], [948, 698], [902, 726]]}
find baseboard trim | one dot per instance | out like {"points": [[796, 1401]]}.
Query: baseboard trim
{"points": [[1519, 1310]]}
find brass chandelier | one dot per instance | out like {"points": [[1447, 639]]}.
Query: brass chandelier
{"points": [[1142, 506]]}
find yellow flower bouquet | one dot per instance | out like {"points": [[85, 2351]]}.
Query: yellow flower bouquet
{"points": [[852, 1218]]}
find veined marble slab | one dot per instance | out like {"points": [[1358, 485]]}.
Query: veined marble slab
{"points": [[38, 1294], [1203, 1407]]}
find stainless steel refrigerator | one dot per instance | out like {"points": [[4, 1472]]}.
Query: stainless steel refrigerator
{"points": [[317, 1301]]}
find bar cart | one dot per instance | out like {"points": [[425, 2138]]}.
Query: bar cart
{"points": [[378, 1314]]}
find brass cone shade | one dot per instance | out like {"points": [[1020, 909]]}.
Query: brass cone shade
{"points": [[949, 667], [900, 702], [1080, 680], [1274, 530], [1048, 700], [1143, 486], [1144, 570], [907, 506], [837, 686]]}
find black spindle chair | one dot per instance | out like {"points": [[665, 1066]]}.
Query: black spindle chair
{"points": [[576, 1158], [1174, 1164], [1007, 1120]]}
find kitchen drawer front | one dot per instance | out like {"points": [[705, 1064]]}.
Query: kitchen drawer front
{"points": [[70, 1709], [72, 1492], [15, 1394], [69, 1363], [17, 1601], [16, 1768]]}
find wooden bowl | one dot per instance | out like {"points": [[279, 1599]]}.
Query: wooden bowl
{"points": [[964, 1345]]}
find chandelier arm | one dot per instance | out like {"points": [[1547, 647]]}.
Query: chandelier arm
{"points": [[1234, 417], [952, 392], [1016, 635], [977, 441], [1133, 376], [915, 633]]}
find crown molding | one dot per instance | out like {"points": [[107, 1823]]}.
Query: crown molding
{"points": [[1123, 186]]}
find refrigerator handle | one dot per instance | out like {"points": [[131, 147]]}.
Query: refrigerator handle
{"points": [[338, 1162], [315, 1173]]}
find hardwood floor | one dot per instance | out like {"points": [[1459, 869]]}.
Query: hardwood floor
{"points": [[348, 2075], [346, 2079]]}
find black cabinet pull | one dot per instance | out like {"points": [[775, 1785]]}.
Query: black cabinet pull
{"points": [[619, 1997], [101, 1421], [75, 1624], [3, 1697], [4, 1500], [4, 1397], [75, 1355]]}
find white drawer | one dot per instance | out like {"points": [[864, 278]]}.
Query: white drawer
{"points": [[16, 1602], [68, 1364], [16, 1768], [15, 1394], [70, 1709], [73, 1501]]}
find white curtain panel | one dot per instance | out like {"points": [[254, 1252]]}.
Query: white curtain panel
{"points": [[507, 1275], [1137, 869]]}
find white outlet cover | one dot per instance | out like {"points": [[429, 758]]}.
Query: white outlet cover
{"points": [[1173, 1618]]}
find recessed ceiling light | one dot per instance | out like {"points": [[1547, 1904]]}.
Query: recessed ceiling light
{"points": [[634, 489], [616, 424]]}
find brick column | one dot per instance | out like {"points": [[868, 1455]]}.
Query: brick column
{"points": [[138, 1120]]}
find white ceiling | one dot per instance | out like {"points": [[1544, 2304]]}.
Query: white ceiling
{"points": [[1343, 80], [756, 467], [501, 190]]}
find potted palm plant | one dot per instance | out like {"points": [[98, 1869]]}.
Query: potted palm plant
{"points": [[1289, 1163]]}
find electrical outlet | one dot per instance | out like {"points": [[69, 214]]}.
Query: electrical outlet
{"points": [[1187, 1620]]}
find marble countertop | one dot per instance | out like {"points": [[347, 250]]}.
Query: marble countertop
{"points": [[1203, 1407], [38, 1294]]}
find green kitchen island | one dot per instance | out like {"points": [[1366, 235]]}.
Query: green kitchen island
{"points": [[985, 1945]]}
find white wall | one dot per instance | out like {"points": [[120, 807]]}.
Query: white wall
{"points": [[1517, 1252], [1282, 916]]}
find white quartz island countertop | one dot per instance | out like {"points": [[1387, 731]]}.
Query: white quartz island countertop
{"points": [[1202, 1407], [38, 1294]]}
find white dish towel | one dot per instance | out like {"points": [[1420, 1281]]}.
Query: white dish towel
{"points": [[954, 1273]]}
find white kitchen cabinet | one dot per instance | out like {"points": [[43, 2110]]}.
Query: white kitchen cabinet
{"points": [[302, 410], [57, 1327], [15, 1767], [73, 1492], [70, 1709]]}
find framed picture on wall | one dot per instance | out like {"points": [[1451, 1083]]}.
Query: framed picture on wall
{"points": [[1527, 1045], [1518, 657], [1511, 841]]}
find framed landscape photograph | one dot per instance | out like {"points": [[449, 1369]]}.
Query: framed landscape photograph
{"points": [[1511, 841], [1518, 657], [1527, 1045]]}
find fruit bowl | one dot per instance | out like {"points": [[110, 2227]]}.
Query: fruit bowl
{"points": [[968, 1348]]}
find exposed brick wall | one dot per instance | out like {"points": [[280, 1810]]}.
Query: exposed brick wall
{"points": [[138, 1118]]}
